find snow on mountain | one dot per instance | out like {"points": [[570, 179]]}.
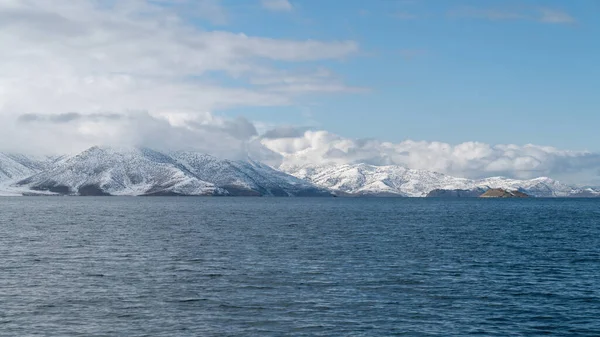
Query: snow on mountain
{"points": [[14, 166], [17, 166], [538, 187], [363, 179], [142, 171], [136, 171], [245, 177]]}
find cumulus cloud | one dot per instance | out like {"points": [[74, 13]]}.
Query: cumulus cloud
{"points": [[85, 60], [284, 132], [469, 159]]}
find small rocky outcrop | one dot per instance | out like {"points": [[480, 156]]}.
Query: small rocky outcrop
{"points": [[502, 193], [457, 193]]}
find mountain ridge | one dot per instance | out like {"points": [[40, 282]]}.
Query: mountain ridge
{"points": [[140, 171], [365, 179], [144, 171]]}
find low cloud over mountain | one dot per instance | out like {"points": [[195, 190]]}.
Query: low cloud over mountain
{"points": [[469, 159], [293, 147]]}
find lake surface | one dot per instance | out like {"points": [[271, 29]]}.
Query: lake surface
{"points": [[74, 266]]}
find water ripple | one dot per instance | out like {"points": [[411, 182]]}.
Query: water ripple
{"points": [[298, 267]]}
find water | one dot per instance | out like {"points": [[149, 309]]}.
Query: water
{"points": [[298, 267]]}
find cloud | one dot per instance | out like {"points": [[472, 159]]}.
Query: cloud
{"points": [[114, 57], [66, 117], [469, 159], [284, 132], [277, 5], [543, 15], [320, 80], [287, 146], [74, 132], [209, 9]]}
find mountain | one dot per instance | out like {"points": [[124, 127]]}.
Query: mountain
{"points": [[142, 171], [109, 171], [14, 166], [542, 187], [245, 177], [363, 179], [17, 166]]}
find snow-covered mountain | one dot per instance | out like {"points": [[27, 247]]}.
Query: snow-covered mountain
{"points": [[363, 179], [142, 171], [14, 166], [538, 187], [135, 171], [245, 177]]}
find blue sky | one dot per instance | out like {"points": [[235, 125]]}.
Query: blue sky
{"points": [[460, 87], [491, 71]]}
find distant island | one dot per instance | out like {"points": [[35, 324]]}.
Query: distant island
{"points": [[501, 193], [476, 193], [456, 193]]}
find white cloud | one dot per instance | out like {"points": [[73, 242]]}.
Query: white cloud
{"points": [[94, 57], [288, 146], [278, 5], [469, 159], [321, 80], [74, 132]]}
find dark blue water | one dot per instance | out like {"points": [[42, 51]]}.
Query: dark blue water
{"points": [[298, 267]]}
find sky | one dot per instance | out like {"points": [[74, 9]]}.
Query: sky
{"points": [[453, 71], [468, 88]]}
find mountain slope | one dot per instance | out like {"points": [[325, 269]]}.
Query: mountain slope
{"points": [[18, 166], [108, 171], [363, 179], [245, 177], [142, 171]]}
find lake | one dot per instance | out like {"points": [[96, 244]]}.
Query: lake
{"points": [[201, 266]]}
